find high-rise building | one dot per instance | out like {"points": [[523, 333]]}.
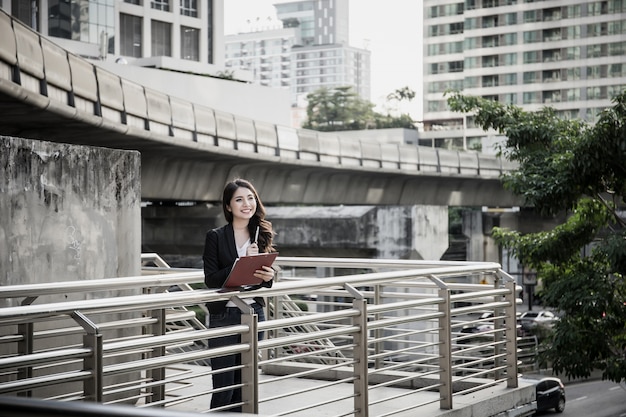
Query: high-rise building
{"points": [[188, 30], [172, 46], [311, 51], [567, 54]]}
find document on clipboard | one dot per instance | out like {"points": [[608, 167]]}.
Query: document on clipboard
{"points": [[242, 273]]}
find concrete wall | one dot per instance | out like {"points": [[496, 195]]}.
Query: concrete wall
{"points": [[68, 212], [391, 232], [261, 103]]}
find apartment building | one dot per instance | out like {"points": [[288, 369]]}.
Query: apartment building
{"points": [[309, 52], [567, 54]]}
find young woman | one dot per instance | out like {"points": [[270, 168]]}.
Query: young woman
{"points": [[244, 212]]}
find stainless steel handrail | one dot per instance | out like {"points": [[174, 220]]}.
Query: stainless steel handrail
{"points": [[395, 328]]}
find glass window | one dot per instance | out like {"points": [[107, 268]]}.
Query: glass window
{"points": [[189, 8], [510, 98], [532, 36], [509, 59], [510, 19], [529, 77], [189, 43], [573, 74], [137, 2], [531, 57], [130, 35], [509, 79], [531, 97], [161, 38], [160, 5]]}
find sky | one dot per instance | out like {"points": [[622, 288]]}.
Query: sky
{"points": [[390, 29]]}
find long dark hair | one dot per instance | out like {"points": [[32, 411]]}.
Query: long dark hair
{"points": [[266, 234]]}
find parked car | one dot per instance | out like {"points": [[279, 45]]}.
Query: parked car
{"points": [[549, 392], [530, 320]]}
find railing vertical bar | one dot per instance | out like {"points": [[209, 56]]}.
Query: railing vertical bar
{"points": [[361, 382], [250, 357], [445, 351], [92, 339], [511, 337], [498, 324], [157, 391]]}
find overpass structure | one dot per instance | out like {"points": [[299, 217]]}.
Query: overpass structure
{"points": [[188, 151]]}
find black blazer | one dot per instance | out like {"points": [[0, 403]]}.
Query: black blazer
{"points": [[220, 252]]}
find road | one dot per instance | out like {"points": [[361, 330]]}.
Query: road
{"points": [[593, 398]]}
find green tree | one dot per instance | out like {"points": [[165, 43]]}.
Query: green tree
{"points": [[571, 167], [336, 109], [340, 108]]}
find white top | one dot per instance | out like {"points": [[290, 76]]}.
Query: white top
{"points": [[242, 252]]}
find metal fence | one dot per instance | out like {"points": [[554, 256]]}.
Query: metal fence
{"points": [[375, 337]]}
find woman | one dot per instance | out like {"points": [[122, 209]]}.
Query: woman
{"points": [[244, 212]]}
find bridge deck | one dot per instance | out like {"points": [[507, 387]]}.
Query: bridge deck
{"points": [[189, 150]]}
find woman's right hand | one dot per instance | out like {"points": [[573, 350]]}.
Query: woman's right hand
{"points": [[253, 249]]}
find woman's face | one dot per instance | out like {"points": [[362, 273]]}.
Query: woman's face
{"points": [[243, 204]]}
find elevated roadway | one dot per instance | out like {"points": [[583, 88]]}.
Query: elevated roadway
{"points": [[188, 151]]}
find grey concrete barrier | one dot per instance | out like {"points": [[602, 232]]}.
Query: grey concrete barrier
{"points": [[135, 107], [350, 152], [30, 65], [183, 120], [390, 155], [309, 145], [159, 112], [226, 132], [330, 152], [409, 158], [468, 163], [370, 154], [448, 161], [111, 99], [288, 142], [266, 138], [206, 127], [489, 166], [429, 160], [85, 89], [246, 134], [8, 58], [58, 79]]}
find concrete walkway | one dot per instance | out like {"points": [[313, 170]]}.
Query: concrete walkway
{"points": [[405, 402]]}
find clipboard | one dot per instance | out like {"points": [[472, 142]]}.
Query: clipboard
{"points": [[242, 273]]}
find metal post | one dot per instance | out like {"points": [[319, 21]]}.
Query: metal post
{"points": [[498, 325], [445, 351], [361, 383], [511, 336], [157, 391], [249, 358], [25, 347], [92, 339]]}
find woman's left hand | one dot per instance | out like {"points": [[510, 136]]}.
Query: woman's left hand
{"points": [[266, 274]]}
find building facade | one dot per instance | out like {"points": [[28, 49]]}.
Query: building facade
{"points": [[311, 51], [172, 46], [567, 54], [190, 30]]}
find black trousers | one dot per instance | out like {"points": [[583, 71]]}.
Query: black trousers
{"points": [[231, 316]]}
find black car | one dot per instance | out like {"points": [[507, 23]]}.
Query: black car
{"points": [[550, 393]]}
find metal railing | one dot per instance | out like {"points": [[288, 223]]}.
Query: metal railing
{"points": [[366, 336]]}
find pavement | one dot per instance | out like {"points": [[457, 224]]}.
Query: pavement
{"points": [[337, 399]]}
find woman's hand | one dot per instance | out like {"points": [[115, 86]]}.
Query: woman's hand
{"points": [[253, 249], [266, 274]]}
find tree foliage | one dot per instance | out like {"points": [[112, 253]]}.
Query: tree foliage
{"points": [[580, 169], [340, 108]]}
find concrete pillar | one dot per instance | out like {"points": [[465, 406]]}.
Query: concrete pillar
{"points": [[67, 213]]}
